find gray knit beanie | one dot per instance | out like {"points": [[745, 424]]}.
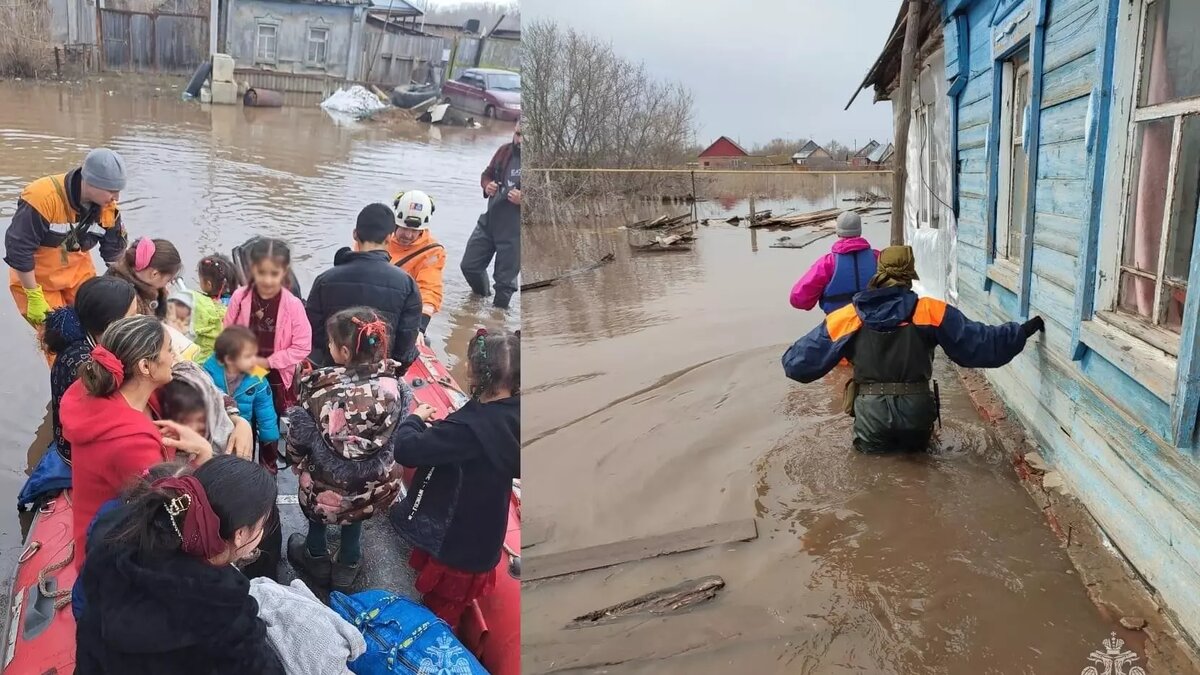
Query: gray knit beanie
{"points": [[849, 224], [104, 169]]}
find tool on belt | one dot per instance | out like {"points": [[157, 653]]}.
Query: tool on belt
{"points": [[937, 403]]}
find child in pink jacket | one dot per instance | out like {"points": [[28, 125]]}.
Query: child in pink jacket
{"points": [[279, 323], [837, 276]]}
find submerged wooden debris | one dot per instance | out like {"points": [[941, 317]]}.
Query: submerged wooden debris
{"points": [[664, 233], [805, 240], [667, 242], [548, 565], [663, 601], [810, 218], [545, 283], [662, 222], [868, 196]]}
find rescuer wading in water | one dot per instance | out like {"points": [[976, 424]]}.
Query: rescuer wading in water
{"points": [[888, 335]]}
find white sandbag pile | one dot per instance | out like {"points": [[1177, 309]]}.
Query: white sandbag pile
{"points": [[356, 101]]}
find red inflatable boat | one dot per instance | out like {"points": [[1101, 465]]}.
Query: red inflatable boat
{"points": [[492, 627], [41, 629]]}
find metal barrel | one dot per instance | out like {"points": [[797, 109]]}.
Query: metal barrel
{"points": [[263, 98]]}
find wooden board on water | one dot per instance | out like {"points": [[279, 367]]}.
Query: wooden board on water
{"points": [[630, 550]]}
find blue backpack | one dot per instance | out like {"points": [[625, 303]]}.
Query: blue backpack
{"points": [[403, 637]]}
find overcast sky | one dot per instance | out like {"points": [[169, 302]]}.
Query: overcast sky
{"points": [[757, 69]]}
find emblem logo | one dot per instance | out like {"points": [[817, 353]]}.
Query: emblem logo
{"points": [[1113, 660]]}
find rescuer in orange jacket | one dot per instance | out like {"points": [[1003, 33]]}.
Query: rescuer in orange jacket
{"points": [[889, 334], [59, 220], [413, 249]]}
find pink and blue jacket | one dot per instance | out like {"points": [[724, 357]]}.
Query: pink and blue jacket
{"points": [[836, 269], [293, 333]]}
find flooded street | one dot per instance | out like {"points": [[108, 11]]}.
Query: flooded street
{"points": [[207, 180], [657, 403]]}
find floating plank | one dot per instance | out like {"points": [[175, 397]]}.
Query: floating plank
{"points": [[630, 550], [544, 283], [663, 601]]}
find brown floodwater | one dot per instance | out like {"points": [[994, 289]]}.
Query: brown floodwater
{"points": [[209, 177], [656, 402]]}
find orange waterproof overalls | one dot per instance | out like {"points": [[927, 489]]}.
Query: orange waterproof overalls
{"points": [[58, 271]]}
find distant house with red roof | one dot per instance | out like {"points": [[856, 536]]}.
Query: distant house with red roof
{"points": [[722, 153]]}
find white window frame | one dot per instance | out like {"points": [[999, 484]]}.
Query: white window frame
{"points": [[310, 42], [258, 42], [1009, 142], [924, 152], [1119, 186]]}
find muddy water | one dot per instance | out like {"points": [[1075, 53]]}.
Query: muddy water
{"points": [[208, 178], [657, 403]]}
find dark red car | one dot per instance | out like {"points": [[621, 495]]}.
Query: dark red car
{"points": [[487, 92]]}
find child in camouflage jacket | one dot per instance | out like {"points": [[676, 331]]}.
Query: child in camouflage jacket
{"points": [[339, 442]]}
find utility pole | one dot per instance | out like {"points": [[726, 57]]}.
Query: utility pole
{"points": [[903, 102]]}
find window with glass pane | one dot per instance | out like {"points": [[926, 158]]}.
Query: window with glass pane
{"points": [[1019, 163], [1014, 161], [266, 43], [318, 43], [1164, 168]]}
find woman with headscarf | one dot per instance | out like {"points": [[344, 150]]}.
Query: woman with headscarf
{"points": [[888, 334]]}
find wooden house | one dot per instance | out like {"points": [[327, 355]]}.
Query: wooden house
{"points": [[1053, 163], [812, 155], [860, 157], [723, 153]]}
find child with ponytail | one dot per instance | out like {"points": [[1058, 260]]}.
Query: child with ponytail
{"points": [[339, 441], [279, 322], [456, 512]]}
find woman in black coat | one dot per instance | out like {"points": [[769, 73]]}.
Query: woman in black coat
{"points": [[163, 594]]}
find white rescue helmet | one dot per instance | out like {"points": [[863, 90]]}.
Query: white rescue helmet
{"points": [[413, 209]]}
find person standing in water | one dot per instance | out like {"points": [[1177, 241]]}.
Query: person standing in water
{"points": [[413, 249], [498, 232], [888, 334], [838, 275], [59, 220]]}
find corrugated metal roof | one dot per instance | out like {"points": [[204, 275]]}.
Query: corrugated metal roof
{"points": [[867, 149], [395, 7], [808, 149], [881, 154]]}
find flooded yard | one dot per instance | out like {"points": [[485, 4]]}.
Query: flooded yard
{"points": [[656, 403], [207, 179]]}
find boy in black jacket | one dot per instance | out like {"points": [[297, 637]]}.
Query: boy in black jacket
{"points": [[367, 278]]}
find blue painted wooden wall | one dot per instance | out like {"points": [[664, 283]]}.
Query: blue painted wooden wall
{"points": [[1109, 435]]}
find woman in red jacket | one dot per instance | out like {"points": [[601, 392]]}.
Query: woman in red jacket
{"points": [[108, 417]]}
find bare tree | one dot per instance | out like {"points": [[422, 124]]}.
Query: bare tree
{"points": [[585, 106], [25, 47], [779, 146], [456, 14], [839, 151]]}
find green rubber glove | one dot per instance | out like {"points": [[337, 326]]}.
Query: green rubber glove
{"points": [[36, 308]]}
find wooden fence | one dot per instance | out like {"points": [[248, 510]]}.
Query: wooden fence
{"points": [[158, 41], [393, 58]]}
